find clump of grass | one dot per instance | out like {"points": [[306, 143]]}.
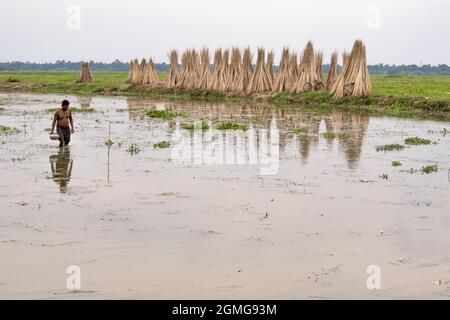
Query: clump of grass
{"points": [[396, 163], [384, 176], [429, 169], [390, 147], [2, 109], [300, 130], [133, 149], [48, 129], [191, 126], [417, 141], [109, 142], [231, 126], [330, 135], [8, 130], [77, 110], [256, 119], [12, 79], [163, 114], [121, 110], [444, 131], [162, 145]]}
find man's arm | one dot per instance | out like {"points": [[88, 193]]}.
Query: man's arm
{"points": [[71, 122], [54, 122]]}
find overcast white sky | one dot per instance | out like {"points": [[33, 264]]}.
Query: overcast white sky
{"points": [[395, 31]]}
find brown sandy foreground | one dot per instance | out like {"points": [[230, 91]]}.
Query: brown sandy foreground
{"points": [[142, 226]]}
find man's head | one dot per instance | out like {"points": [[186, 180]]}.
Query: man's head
{"points": [[65, 104]]}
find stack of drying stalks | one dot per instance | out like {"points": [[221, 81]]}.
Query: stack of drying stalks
{"points": [[354, 79], [310, 71], [85, 74], [233, 72], [143, 73]]}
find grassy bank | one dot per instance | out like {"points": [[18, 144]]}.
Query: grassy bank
{"points": [[403, 96]]}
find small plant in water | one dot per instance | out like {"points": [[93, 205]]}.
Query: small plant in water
{"points": [[330, 135], [429, 169], [390, 147], [300, 130], [8, 130], [162, 114], [162, 145], [384, 176], [109, 142], [417, 141], [444, 131], [134, 149], [396, 163], [231, 126]]}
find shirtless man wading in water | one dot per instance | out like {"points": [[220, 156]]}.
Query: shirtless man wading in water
{"points": [[64, 124]]}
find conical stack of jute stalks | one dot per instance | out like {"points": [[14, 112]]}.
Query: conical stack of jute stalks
{"points": [[220, 70], [269, 67], [308, 77], [282, 81], [354, 79], [145, 72], [153, 78], [247, 71], [142, 71], [135, 75], [358, 81], [332, 72], [261, 80], [172, 76], [130, 72], [204, 76], [337, 90], [293, 71], [85, 74], [318, 84], [235, 70]]}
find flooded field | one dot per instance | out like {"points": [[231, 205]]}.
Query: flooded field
{"points": [[140, 224]]}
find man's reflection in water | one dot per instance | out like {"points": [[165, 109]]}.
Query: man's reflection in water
{"points": [[61, 164]]}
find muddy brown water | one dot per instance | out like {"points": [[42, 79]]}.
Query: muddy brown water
{"points": [[145, 226]]}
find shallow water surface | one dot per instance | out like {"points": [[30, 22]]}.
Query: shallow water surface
{"points": [[147, 225]]}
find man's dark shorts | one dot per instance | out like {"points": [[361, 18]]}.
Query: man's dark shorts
{"points": [[64, 135]]}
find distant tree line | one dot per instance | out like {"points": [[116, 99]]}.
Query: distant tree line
{"points": [[119, 66]]}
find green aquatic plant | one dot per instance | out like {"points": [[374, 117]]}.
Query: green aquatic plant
{"points": [[384, 176], [163, 114], [300, 130], [162, 145], [390, 147], [330, 135], [133, 149], [396, 163], [109, 142], [417, 141], [429, 169], [8, 130], [231, 126]]}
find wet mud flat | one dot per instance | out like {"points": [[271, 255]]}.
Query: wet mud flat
{"points": [[141, 225]]}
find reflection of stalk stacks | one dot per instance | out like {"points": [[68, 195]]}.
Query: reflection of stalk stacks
{"points": [[233, 71], [85, 74], [333, 72]]}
